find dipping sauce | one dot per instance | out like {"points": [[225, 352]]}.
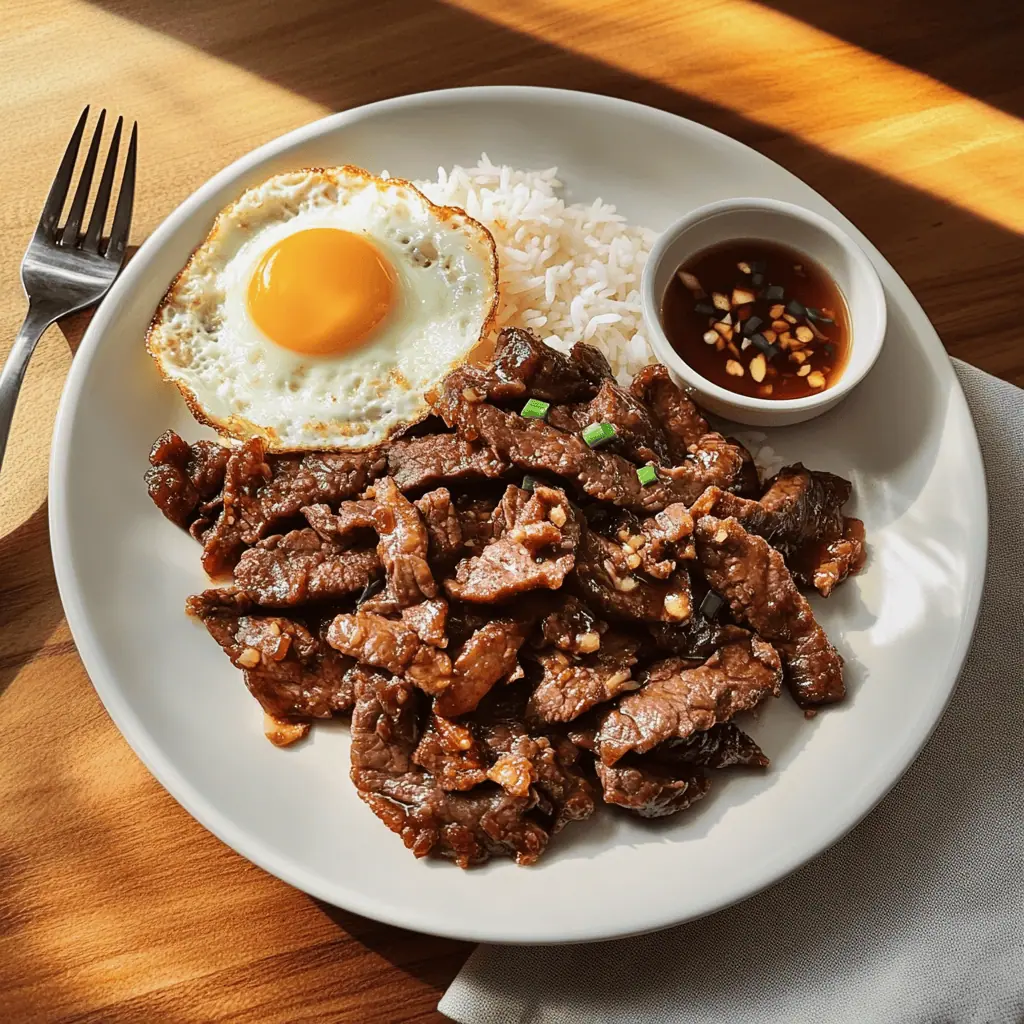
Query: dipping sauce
{"points": [[759, 319]]}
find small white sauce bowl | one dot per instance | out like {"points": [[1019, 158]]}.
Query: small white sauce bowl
{"points": [[792, 226]]}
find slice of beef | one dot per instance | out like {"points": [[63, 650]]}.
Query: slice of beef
{"points": [[752, 577], [709, 626], [841, 557], [666, 539], [476, 520], [464, 620], [649, 788], [680, 419], [535, 552], [802, 508], [571, 686], [408, 532], [724, 745], [488, 656], [591, 363], [290, 670], [570, 418], [441, 518], [245, 473], [604, 578], [522, 358], [548, 762], [206, 466], [294, 568], [319, 689], [537, 446], [352, 523], [314, 478], [261, 493], [524, 367], [181, 476], [168, 480], [385, 724], [429, 620], [393, 646], [547, 768], [656, 545], [801, 515], [746, 483], [452, 755], [467, 828], [402, 547], [566, 793], [508, 510], [443, 459], [697, 638], [572, 627], [637, 436], [675, 701]]}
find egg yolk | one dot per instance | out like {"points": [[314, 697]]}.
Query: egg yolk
{"points": [[321, 291]]}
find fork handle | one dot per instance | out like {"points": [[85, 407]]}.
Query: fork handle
{"points": [[39, 317]]}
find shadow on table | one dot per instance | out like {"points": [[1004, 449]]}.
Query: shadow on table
{"points": [[29, 605], [963, 45], [404, 949]]}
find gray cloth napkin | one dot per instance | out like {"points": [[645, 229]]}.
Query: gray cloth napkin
{"points": [[916, 917]]}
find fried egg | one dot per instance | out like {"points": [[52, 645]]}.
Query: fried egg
{"points": [[323, 308]]}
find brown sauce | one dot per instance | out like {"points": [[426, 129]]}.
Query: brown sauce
{"points": [[759, 319]]}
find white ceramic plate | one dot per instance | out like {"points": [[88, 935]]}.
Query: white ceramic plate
{"points": [[905, 438]]}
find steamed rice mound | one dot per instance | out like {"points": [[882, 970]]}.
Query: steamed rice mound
{"points": [[569, 272]]}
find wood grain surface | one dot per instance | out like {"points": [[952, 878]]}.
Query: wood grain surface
{"points": [[115, 906]]}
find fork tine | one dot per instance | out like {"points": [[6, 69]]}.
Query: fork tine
{"points": [[123, 211], [74, 221], [91, 241], [62, 180]]}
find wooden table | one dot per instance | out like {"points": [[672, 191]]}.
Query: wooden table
{"points": [[115, 905]]}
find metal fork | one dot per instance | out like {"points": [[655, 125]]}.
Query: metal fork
{"points": [[64, 269]]}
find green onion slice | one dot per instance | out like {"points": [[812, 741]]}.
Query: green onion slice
{"points": [[647, 475], [535, 409], [598, 433]]}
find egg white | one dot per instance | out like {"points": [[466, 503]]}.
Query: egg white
{"points": [[240, 382]]}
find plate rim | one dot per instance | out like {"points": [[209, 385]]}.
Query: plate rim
{"points": [[146, 748]]}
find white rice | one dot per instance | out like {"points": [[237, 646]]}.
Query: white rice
{"points": [[569, 272]]}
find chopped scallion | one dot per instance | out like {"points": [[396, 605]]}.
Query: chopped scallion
{"points": [[529, 482], [770, 350], [598, 433], [535, 409], [647, 475], [752, 325]]}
